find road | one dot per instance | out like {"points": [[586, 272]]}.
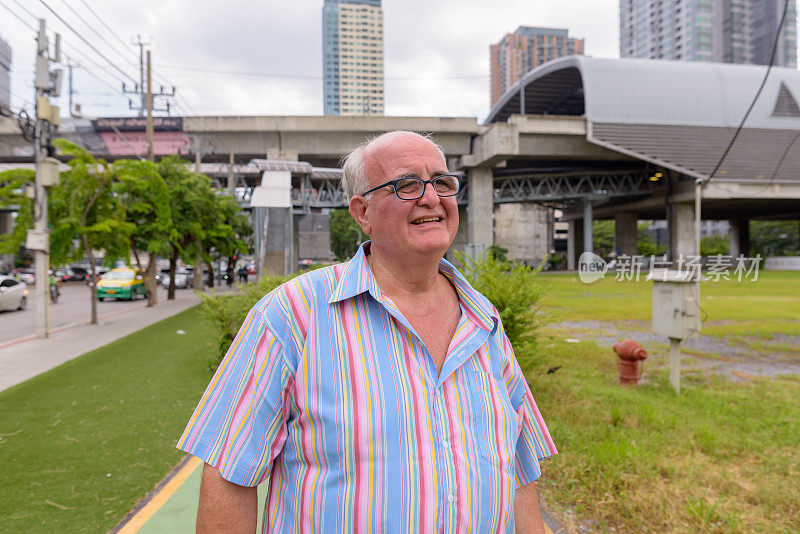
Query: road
{"points": [[73, 306]]}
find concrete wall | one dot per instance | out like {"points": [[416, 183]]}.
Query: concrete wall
{"points": [[525, 230], [313, 237]]}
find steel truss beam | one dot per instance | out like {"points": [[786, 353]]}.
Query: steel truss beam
{"points": [[327, 193]]}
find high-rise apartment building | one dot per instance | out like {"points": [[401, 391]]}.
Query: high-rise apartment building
{"points": [[524, 50], [352, 50], [723, 31], [5, 75]]}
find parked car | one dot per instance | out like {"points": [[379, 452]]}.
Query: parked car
{"points": [[13, 294], [27, 275], [161, 275], [80, 273], [183, 279], [120, 283]]}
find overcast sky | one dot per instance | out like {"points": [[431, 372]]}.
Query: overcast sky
{"points": [[265, 57]]}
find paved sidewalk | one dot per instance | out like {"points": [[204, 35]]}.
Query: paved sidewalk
{"points": [[27, 357]]}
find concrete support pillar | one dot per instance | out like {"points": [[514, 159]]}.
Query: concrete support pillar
{"points": [[480, 222], [574, 244], [739, 237], [587, 226], [460, 240], [626, 233], [681, 230]]}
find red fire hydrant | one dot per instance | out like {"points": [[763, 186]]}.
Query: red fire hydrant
{"points": [[629, 352]]}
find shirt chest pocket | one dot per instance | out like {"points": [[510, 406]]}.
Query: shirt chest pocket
{"points": [[494, 420]]}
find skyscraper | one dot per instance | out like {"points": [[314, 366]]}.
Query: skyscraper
{"points": [[5, 75], [352, 49], [723, 31], [524, 50]]}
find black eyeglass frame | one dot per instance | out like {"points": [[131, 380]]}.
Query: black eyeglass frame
{"points": [[425, 183]]}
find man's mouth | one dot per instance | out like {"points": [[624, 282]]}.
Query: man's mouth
{"points": [[421, 220]]}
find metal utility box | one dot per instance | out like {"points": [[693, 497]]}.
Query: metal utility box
{"points": [[48, 173], [676, 304]]}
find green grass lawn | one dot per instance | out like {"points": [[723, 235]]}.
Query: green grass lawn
{"points": [[720, 457], [80, 444], [768, 306]]}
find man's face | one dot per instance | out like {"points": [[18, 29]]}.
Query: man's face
{"points": [[425, 226]]}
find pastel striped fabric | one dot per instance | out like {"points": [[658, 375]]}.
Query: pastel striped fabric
{"points": [[328, 396]]}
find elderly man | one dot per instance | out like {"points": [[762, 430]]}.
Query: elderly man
{"points": [[379, 394]]}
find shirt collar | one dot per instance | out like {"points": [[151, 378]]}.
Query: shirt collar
{"points": [[357, 278]]}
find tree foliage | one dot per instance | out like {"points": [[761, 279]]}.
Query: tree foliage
{"points": [[86, 215], [513, 290], [12, 194], [713, 245], [774, 238], [345, 234], [646, 245], [144, 195], [603, 237]]}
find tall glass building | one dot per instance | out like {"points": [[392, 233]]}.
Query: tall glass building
{"points": [[352, 51], [722, 31], [5, 75]]}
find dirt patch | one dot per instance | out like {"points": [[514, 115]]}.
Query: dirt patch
{"points": [[741, 359]]}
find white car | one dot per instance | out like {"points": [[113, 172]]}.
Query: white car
{"points": [[13, 294]]}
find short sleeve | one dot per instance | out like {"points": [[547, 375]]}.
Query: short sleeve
{"points": [[534, 442], [239, 426]]}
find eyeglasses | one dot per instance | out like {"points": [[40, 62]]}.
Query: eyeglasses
{"points": [[445, 185]]}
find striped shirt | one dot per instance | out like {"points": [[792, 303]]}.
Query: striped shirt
{"points": [[329, 396]]}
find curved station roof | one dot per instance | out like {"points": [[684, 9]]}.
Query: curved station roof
{"points": [[680, 115]]}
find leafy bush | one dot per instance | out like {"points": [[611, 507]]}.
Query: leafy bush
{"points": [[513, 290], [713, 245], [226, 313]]}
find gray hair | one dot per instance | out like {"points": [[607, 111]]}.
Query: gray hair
{"points": [[354, 172]]}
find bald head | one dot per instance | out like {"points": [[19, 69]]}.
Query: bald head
{"points": [[363, 160]]}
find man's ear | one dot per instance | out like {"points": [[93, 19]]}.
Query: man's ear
{"points": [[358, 209]]}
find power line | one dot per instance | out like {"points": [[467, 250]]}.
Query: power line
{"points": [[122, 55], [26, 10], [755, 98], [14, 13], [103, 22], [82, 38]]}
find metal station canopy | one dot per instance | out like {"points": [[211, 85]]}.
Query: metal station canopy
{"points": [[676, 114]]}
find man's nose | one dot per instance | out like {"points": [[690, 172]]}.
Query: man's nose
{"points": [[429, 197]]}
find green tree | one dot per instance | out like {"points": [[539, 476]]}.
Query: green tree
{"points": [[144, 195], [646, 245], [346, 235], [714, 244], [188, 195], [603, 237], [86, 215], [227, 229], [12, 194], [774, 238]]}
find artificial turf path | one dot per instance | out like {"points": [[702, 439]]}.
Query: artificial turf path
{"points": [[82, 443]]}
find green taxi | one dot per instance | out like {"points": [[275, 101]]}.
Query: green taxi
{"points": [[121, 283]]}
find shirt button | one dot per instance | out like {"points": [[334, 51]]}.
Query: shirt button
{"points": [[446, 444], [450, 498]]}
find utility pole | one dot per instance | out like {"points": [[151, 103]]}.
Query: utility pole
{"points": [[73, 111], [145, 84], [149, 103], [47, 119], [141, 44]]}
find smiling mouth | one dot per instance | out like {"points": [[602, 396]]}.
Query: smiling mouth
{"points": [[426, 220]]}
